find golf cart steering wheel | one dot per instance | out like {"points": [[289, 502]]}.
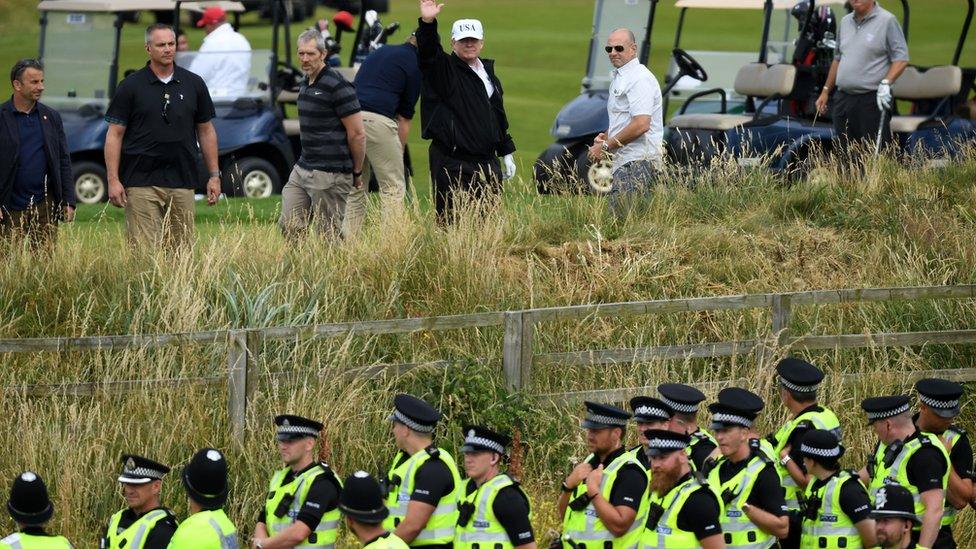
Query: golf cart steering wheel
{"points": [[688, 66]]}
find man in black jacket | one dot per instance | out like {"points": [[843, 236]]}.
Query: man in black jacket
{"points": [[36, 186], [462, 114]]}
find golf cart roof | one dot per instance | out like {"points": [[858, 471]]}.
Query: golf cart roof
{"points": [[744, 4], [134, 5]]}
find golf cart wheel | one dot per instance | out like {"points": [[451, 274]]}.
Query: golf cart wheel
{"points": [[259, 178], [91, 182]]}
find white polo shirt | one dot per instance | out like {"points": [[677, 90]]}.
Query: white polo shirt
{"points": [[224, 62], [633, 92]]}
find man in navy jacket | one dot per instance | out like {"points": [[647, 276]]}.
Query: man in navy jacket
{"points": [[36, 186]]}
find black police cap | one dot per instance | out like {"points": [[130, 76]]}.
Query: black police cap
{"points": [[414, 413], [663, 441], [894, 501], [361, 499], [821, 445], [648, 409], [141, 470], [29, 503], [292, 427], [941, 395], [798, 375], [681, 398], [603, 416], [205, 478], [883, 407], [480, 439], [736, 407]]}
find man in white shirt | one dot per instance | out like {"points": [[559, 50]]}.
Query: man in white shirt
{"points": [[226, 74], [634, 139]]}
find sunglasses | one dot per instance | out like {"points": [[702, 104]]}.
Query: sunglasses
{"points": [[166, 108], [617, 49]]}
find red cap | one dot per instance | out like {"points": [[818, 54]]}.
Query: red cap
{"points": [[343, 19], [211, 15]]}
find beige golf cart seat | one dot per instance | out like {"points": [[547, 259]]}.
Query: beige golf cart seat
{"points": [[753, 80], [914, 85]]}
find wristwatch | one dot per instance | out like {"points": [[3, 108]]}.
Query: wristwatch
{"points": [[565, 487], [605, 146], [785, 459], [357, 175], [215, 173]]}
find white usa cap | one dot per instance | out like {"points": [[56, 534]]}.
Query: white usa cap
{"points": [[467, 28]]}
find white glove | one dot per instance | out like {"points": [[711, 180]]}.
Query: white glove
{"points": [[884, 96], [508, 170]]}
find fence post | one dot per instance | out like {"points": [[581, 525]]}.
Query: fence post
{"points": [[255, 343], [237, 360], [512, 351], [528, 335], [780, 333]]}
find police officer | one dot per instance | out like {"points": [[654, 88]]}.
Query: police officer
{"points": [[604, 500], [205, 482], [894, 516], [744, 476], [495, 511], [798, 384], [31, 508], [684, 400], [144, 523], [837, 508], [938, 406], [649, 413], [423, 480], [362, 504], [303, 497], [907, 456], [684, 512]]}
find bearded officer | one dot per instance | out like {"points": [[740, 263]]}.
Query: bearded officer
{"points": [[649, 413], [837, 508], [303, 497], [423, 480], [745, 477], [894, 516], [31, 508], [685, 400], [362, 504], [494, 512], [938, 407], [144, 523], [904, 455], [604, 501], [205, 482], [684, 512]]}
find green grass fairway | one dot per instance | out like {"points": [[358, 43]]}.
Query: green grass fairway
{"points": [[540, 47]]}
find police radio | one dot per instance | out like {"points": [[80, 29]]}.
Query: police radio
{"points": [[654, 514], [282, 509], [465, 512]]}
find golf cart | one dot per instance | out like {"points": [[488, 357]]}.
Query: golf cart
{"points": [[80, 44]]}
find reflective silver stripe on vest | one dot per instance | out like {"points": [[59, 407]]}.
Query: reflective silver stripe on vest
{"points": [[757, 545], [144, 526], [486, 490], [13, 541], [432, 534], [662, 539], [948, 511], [228, 541], [403, 496]]}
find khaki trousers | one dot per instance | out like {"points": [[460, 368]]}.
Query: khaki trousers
{"points": [[37, 226], [384, 157], [159, 216], [313, 197]]}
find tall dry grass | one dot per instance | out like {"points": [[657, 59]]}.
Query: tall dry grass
{"points": [[724, 231]]}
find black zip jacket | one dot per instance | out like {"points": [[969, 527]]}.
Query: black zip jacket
{"points": [[455, 111]]}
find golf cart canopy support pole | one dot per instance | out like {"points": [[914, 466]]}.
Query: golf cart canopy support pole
{"points": [[645, 53], [767, 19], [40, 46], [962, 35], [176, 18], [681, 25], [113, 70]]}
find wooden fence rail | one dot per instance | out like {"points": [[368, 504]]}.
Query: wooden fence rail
{"points": [[519, 327]]}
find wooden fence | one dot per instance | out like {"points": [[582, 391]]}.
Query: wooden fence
{"points": [[518, 355]]}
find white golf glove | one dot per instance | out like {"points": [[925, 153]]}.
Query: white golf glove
{"points": [[884, 96], [508, 170]]}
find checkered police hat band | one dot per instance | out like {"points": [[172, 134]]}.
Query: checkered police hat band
{"points": [[485, 443], [402, 418], [888, 413], [797, 388], [732, 419], [666, 444], [940, 404], [297, 430], [680, 406], [143, 472], [820, 452], [650, 411], [606, 420]]}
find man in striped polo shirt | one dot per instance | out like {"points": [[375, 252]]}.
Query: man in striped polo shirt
{"points": [[333, 147]]}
